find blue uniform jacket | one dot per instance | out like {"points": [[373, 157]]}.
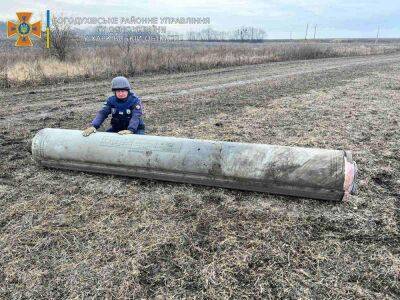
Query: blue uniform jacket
{"points": [[126, 113]]}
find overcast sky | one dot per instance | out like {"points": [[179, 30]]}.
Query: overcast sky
{"points": [[334, 18]]}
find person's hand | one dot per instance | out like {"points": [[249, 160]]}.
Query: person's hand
{"points": [[123, 132], [88, 131]]}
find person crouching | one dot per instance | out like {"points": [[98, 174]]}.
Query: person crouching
{"points": [[125, 108]]}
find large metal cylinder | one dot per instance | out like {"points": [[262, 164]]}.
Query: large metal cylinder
{"points": [[303, 172]]}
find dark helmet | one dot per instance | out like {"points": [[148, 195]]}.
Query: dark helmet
{"points": [[120, 83]]}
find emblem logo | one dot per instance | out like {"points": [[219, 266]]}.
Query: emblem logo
{"points": [[23, 28]]}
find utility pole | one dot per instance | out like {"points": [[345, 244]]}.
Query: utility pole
{"points": [[306, 32], [315, 30], [377, 35], [290, 34]]}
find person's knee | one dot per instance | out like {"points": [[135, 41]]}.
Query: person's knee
{"points": [[140, 129]]}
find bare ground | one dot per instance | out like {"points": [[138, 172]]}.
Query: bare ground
{"points": [[67, 234]]}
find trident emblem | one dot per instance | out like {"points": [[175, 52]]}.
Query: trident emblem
{"points": [[23, 28]]}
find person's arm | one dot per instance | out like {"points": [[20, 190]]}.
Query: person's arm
{"points": [[137, 112], [102, 115]]}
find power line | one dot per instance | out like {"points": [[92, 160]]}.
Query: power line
{"points": [[377, 35], [306, 32], [315, 30]]}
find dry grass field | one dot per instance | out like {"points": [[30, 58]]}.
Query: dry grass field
{"points": [[77, 235], [35, 66]]}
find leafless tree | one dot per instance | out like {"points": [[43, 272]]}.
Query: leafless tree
{"points": [[126, 47], [248, 34], [191, 35], [127, 41], [62, 38]]}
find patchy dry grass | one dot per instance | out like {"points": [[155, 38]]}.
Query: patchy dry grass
{"points": [[19, 68], [67, 234]]}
